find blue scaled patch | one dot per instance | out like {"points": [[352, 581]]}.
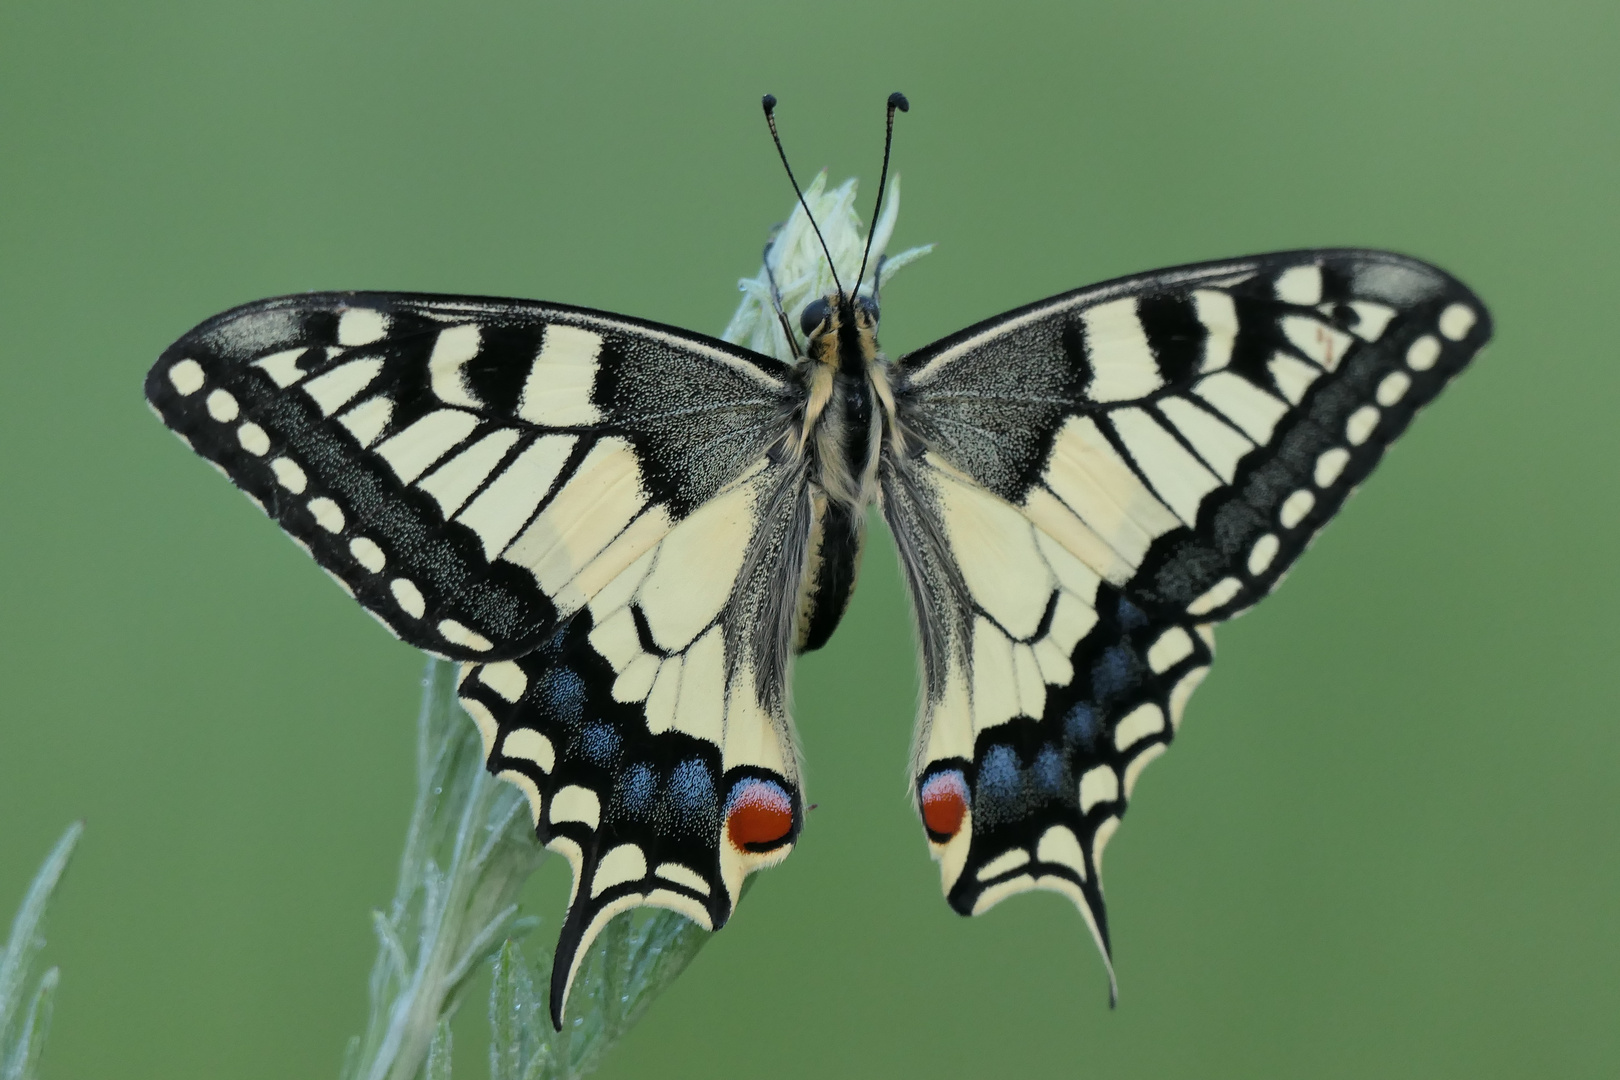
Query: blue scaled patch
{"points": [[600, 744], [1114, 672], [560, 695], [691, 806], [1006, 790], [1082, 726]]}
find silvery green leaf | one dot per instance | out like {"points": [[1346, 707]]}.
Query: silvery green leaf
{"points": [[23, 1030]]}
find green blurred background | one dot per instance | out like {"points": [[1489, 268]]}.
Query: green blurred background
{"points": [[1385, 844]]}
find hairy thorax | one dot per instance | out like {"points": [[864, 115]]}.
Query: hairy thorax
{"points": [[848, 413]]}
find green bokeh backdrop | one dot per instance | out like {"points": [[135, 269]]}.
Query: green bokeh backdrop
{"points": [[1385, 844]]}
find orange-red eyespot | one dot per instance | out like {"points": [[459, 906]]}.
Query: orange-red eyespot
{"points": [[759, 815], [944, 798]]}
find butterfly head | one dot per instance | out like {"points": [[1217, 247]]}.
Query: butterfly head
{"points": [[841, 331]]}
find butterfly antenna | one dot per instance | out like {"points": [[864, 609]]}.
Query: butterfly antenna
{"points": [[897, 100], [769, 102]]}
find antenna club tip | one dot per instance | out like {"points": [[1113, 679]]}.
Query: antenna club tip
{"points": [[769, 102], [897, 100]]}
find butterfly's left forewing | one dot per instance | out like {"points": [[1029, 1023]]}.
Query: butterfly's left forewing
{"points": [[582, 508], [1085, 486]]}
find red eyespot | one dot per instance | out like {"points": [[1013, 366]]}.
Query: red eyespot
{"points": [[758, 814], [944, 798]]}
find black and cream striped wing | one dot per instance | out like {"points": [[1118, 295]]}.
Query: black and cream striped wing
{"points": [[470, 470], [584, 510], [1089, 484]]}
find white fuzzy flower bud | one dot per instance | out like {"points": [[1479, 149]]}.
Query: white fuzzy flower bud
{"points": [[802, 275]]}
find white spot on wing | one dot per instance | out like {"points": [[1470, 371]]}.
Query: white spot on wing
{"points": [[222, 406], [1300, 285], [1330, 465], [1264, 550], [253, 439], [1422, 353], [328, 515], [1215, 596], [361, 326], [528, 787], [1393, 388], [186, 377], [289, 475], [487, 725], [1295, 507], [467, 638], [1456, 321], [1371, 319], [368, 554], [408, 597], [1361, 424]]}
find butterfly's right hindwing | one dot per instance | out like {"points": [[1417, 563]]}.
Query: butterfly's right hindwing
{"points": [[470, 470]]}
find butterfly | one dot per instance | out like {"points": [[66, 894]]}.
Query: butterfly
{"points": [[624, 532]]}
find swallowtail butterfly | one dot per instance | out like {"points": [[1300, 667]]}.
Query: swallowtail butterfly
{"points": [[625, 531]]}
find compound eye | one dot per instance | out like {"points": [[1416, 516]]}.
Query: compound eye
{"points": [[871, 305], [814, 314]]}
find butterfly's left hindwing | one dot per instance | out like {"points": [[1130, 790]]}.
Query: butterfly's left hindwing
{"points": [[1084, 486]]}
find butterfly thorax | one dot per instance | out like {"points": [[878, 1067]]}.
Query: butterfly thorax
{"points": [[847, 410]]}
